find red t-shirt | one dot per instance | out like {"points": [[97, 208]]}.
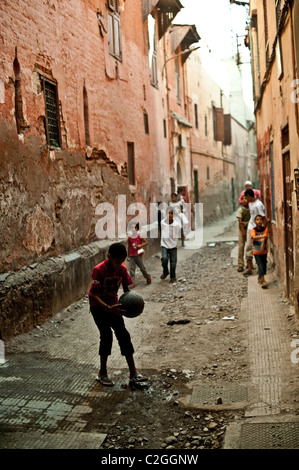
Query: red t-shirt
{"points": [[106, 282], [133, 245]]}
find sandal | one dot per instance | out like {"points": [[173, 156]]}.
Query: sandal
{"points": [[138, 378], [105, 381], [247, 273]]}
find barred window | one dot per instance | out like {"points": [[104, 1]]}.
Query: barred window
{"points": [[52, 112]]}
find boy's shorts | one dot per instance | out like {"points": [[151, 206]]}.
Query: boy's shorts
{"points": [[106, 322]]}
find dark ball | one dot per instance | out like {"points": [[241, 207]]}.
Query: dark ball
{"points": [[133, 303]]}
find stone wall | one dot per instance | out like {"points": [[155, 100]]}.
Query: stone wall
{"points": [[38, 291]]}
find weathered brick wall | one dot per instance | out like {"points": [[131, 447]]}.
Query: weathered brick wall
{"points": [[48, 198]]}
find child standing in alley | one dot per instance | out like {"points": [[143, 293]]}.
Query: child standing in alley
{"points": [[259, 237], [107, 312], [136, 244], [170, 233], [243, 215]]}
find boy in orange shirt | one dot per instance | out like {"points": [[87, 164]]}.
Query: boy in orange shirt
{"points": [[259, 237]]}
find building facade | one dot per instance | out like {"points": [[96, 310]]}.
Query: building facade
{"points": [[273, 39], [81, 121], [220, 136]]}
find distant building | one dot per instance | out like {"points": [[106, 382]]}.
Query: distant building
{"points": [[222, 137]]}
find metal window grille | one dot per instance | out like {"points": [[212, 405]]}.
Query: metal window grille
{"points": [[52, 113]]}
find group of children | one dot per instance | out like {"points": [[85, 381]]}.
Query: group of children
{"points": [[253, 235], [173, 228], [109, 275]]}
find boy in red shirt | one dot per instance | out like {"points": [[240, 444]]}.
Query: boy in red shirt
{"points": [[107, 313], [259, 237], [136, 244]]}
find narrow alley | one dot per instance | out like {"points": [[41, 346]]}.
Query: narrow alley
{"points": [[215, 346], [177, 120]]}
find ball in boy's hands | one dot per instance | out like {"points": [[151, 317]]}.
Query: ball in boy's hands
{"points": [[132, 303]]}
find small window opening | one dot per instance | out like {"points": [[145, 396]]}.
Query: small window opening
{"points": [[146, 127], [86, 117], [52, 112]]}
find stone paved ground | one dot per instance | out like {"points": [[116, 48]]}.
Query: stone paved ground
{"points": [[217, 350]]}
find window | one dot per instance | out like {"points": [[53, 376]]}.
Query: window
{"points": [[86, 116], [164, 128], [206, 126], [196, 115], [255, 55], [218, 124], [266, 32], [208, 173], [114, 29], [278, 7], [180, 141], [152, 54], [52, 112], [145, 117], [227, 130], [131, 163]]}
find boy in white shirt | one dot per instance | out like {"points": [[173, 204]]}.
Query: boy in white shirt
{"points": [[170, 233]]}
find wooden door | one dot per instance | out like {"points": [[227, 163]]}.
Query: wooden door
{"points": [[288, 224]]}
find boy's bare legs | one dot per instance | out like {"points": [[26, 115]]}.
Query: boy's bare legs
{"points": [[103, 369], [134, 376], [103, 375], [131, 365]]}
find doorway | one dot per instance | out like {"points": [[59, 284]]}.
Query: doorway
{"points": [[288, 214], [196, 192]]}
